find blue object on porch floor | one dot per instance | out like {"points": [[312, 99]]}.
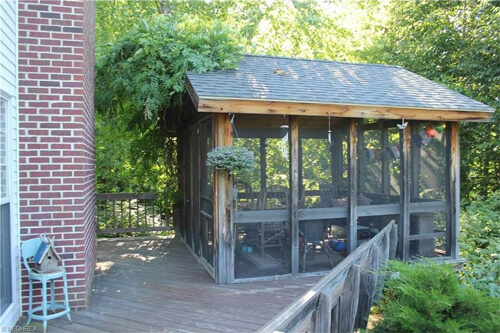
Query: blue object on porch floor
{"points": [[338, 246], [29, 249]]}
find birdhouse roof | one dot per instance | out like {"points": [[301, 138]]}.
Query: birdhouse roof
{"points": [[44, 249]]}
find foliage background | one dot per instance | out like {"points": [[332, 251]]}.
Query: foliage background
{"points": [[145, 47]]}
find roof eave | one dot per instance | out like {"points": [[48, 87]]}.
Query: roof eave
{"points": [[263, 106]]}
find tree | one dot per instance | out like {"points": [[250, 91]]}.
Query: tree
{"points": [[455, 43], [141, 83], [143, 55]]}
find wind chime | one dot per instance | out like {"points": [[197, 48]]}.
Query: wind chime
{"points": [[284, 138], [329, 133]]}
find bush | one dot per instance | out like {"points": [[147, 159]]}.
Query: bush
{"points": [[480, 244], [428, 297]]}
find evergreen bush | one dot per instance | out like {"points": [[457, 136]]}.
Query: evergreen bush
{"points": [[428, 297]]}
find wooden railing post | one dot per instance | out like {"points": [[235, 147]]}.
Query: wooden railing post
{"points": [[393, 242], [332, 304], [349, 300], [321, 319], [367, 287]]}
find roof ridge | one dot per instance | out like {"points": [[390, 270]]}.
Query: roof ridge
{"points": [[321, 60]]}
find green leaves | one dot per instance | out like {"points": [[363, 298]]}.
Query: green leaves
{"points": [[455, 43], [480, 244], [140, 85], [147, 66], [427, 297]]}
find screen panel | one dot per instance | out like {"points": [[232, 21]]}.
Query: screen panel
{"points": [[323, 195], [429, 235], [262, 198], [379, 175]]}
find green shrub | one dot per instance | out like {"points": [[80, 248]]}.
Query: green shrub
{"points": [[428, 297], [480, 244]]}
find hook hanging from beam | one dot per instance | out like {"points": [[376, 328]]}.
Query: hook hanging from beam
{"points": [[403, 124], [234, 127]]}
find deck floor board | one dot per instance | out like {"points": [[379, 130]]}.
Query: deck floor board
{"points": [[156, 285]]}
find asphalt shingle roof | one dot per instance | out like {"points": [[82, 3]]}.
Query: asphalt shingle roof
{"points": [[318, 81]]}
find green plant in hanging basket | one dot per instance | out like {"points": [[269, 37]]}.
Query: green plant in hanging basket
{"points": [[231, 159]]}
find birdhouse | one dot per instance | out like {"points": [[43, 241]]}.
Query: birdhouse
{"points": [[46, 258]]}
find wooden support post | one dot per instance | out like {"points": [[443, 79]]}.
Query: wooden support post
{"points": [[349, 300], [263, 164], [404, 221], [453, 190], [353, 188], [294, 187], [321, 318], [223, 208]]}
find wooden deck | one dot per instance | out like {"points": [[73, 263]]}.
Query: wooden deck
{"points": [[156, 285]]}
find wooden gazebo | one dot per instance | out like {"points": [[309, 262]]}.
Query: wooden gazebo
{"points": [[341, 149]]}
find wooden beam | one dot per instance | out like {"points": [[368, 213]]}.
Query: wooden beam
{"points": [[453, 190], [404, 221], [210, 104], [294, 186], [353, 188], [223, 208]]}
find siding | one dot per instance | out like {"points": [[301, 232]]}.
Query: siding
{"points": [[8, 89]]}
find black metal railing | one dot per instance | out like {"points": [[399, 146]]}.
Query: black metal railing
{"points": [[130, 213]]}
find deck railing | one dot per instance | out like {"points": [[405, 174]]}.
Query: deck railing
{"points": [[130, 212], [341, 301]]}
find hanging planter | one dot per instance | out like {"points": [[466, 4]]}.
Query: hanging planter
{"points": [[231, 159]]}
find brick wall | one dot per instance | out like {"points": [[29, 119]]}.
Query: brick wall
{"points": [[56, 132]]}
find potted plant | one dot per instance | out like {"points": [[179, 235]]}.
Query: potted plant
{"points": [[231, 159]]}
